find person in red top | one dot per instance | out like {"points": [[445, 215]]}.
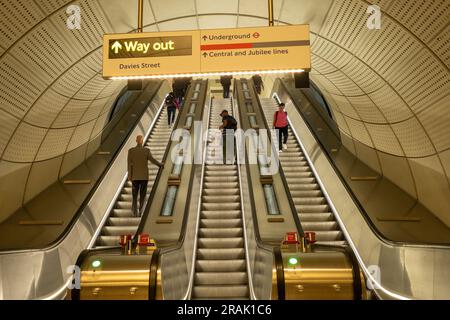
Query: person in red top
{"points": [[280, 122]]}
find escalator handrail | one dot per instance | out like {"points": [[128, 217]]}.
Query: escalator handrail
{"points": [[280, 167], [156, 182], [153, 274], [188, 293], [124, 180], [244, 228], [259, 243], [279, 269], [363, 212], [88, 197], [357, 289], [337, 216], [180, 241]]}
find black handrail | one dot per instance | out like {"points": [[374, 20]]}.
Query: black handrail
{"points": [[280, 167], [153, 274], [260, 244], [182, 236], [112, 112], [357, 289], [158, 178], [363, 212], [156, 254], [148, 205], [279, 267], [94, 188]]}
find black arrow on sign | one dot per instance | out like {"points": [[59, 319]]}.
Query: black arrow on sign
{"points": [[205, 54], [205, 37]]}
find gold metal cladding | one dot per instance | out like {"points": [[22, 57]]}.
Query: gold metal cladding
{"points": [[174, 182], [266, 179], [399, 219], [41, 222], [164, 221], [140, 15], [275, 220], [116, 277], [77, 181], [318, 276], [368, 178], [270, 5]]}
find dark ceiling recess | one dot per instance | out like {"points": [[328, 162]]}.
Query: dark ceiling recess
{"points": [[301, 80]]}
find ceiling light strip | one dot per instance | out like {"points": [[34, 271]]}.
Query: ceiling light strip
{"points": [[209, 74]]}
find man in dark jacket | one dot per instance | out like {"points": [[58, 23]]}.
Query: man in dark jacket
{"points": [[225, 81], [228, 127], [171, 105], [258, 82], [138, 158]]}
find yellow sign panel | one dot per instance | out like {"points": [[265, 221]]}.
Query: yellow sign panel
{"points": [[262, 49]]}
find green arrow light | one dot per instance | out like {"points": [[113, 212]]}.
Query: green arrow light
{"points": [[293, 261], [96, 263]]}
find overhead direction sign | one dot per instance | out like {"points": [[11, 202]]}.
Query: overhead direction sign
{"points": [[203, 52]]}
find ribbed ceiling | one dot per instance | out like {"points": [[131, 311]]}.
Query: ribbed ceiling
{"points": [[388, 88]]}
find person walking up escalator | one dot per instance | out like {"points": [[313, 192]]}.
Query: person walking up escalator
{"points": [[138, 158], [171, 105], [258, 82], [228, 127], [280, 122], [225, 81]]}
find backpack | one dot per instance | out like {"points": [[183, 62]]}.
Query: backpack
{"points": [[170, 101], [232, 123]]}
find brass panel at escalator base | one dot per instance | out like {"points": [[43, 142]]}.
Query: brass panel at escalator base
{"points": [[324, 275], [117, 277]]}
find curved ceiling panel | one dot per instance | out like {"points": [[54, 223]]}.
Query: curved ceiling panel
{"points": [[388, 88]]}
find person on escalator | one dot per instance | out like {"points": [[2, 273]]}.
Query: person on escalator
{"points": [[171, 105], [228, 127], [258, 82], [280, 122], [225, 81], [138, 158]]}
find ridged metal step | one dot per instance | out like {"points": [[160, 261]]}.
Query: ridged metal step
{"points": [[220, 267]]}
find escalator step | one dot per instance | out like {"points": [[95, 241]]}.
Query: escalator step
{"points": [[131, 221], [220, 232], [221, 291], [221, 278], [221, 199], [320, 225], [220, 223], [118, 230], [221, 242], [312, 217], [228, 214]]}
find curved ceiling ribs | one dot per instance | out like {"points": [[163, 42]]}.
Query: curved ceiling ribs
{"points": [[388, 88]]}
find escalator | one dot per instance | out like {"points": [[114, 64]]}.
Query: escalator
{"points": [[314, 212], [220, 266], [121, 220], [220, 254]]}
